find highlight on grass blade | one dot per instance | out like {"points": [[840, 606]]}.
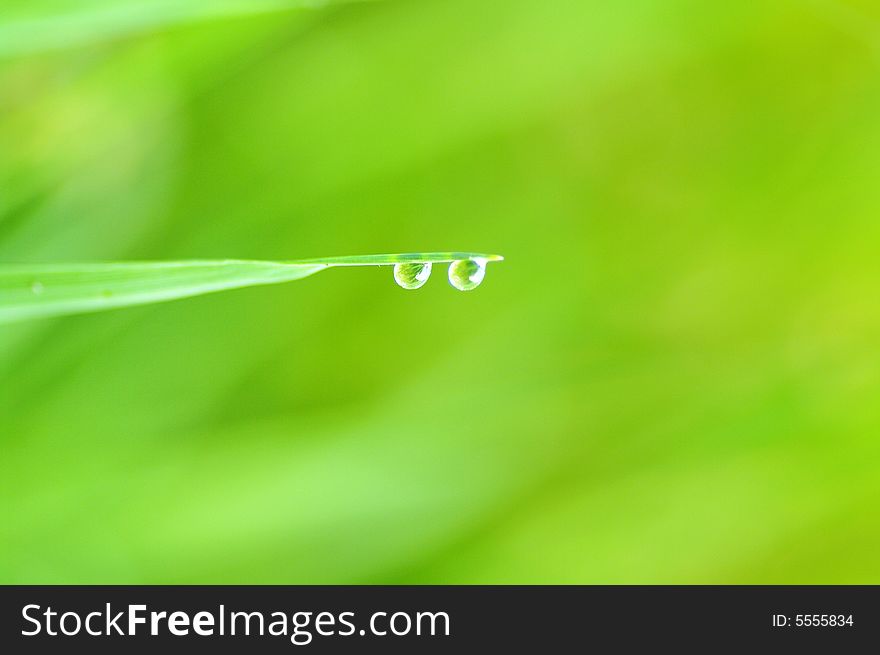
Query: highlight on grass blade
{"points": [[36, 26], [43, 290]]}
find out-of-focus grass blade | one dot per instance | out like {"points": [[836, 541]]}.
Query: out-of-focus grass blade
{"points": [[34, 25], [42, 290]]}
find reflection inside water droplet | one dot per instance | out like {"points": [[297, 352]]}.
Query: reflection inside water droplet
{"points": [[412, 275], [466, 274], [36, 287]]}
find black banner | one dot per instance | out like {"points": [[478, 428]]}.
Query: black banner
{"points": [[433, 619]]}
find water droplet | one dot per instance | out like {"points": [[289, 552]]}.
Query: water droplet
{"points": [[36, 287], [466, 274], [412, 275]]}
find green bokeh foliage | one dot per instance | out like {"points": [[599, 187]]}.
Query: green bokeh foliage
{"points": [[673, 377]]}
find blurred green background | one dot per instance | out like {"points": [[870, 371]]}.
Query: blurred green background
{"points": [[673, 378]]}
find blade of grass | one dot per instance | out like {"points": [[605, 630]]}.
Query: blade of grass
{"points": [[43, 290]]}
